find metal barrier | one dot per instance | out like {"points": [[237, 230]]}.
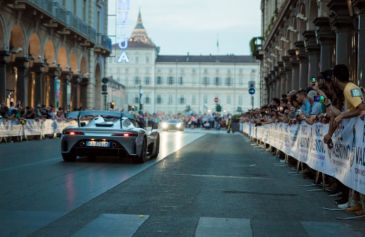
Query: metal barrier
{"points": [[32, 128], [304, 142]]}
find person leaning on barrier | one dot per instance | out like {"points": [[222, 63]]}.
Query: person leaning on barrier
{"points": [[29, 113], [316, 107], [354, 105], [60, 115], [4, 110], [304, 102], [354, 99]]}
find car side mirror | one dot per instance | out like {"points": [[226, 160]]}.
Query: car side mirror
{"points": [[82, 124]]}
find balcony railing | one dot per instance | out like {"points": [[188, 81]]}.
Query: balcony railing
{"points": [[104, 42], [64, 17]]}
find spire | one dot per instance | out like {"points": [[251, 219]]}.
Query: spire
{"points": [[139, 34], [139, 24]]}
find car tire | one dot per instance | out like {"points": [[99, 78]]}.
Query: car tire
{"points": [[157, 148], [142, 157], [68, 157]]}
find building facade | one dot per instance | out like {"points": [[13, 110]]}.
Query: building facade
{"points": [[177, 83], [53, 52], [301, 38]]}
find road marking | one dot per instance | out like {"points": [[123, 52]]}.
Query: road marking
{"points": [[222, 177], [328, 229], [227, 227], [112, 225], [332, 209], [314, 190]]}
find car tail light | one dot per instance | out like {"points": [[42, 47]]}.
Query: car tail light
{"points": [[125, 134], [73, 133]]}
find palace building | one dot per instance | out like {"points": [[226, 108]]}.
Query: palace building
{"points": [[177, 83]]}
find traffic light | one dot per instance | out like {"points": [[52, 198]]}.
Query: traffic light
{"points": [[251, 87], [251, 84]]}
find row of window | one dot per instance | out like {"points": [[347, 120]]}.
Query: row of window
{"points": [[182, 70], [180, 81], [182, 100]]}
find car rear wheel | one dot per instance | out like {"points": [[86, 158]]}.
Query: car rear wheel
{"points": [[142, 156], [157, 148], [68, 157]]}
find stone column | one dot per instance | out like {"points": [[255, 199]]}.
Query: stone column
{"points": [[74, 92], [65, 79], [22, 82], [360, 9], [343, 25], [53, 72], [312, 49], [38, 69], [272, 94], [288, 73], [267, 86], [281, 73], [4, 57], [326, 38], [295, 69], [277, 81], [303, 64], [273, 82], [83, 92]]}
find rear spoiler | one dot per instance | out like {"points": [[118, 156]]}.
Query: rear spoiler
{"points": [[116, 114]]}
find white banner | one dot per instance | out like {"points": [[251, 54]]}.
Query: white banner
{"points": [[12, 128], [345, 161]]}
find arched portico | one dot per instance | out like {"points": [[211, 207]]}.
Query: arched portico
{"points": [[4, 55], [17, 81], [35, 78], [84, 82]]}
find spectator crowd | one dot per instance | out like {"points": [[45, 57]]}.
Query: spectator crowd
{"points": [[18, 111], [330, 98]]}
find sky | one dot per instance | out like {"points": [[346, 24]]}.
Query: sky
{"points": [[195, 26]]}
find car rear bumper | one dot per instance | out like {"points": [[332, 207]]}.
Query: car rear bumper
{"points": [[99, 151], [81, 149]]}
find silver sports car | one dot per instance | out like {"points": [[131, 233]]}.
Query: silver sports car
{"points": [[109, 133]]}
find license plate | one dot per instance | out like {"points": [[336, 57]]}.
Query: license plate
{"points": [[98, 144]]}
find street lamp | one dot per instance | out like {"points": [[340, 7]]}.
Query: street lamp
{"points": [[104, 92], [140, 97]]}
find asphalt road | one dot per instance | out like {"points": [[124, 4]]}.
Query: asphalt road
{"points": [[202, 184]]}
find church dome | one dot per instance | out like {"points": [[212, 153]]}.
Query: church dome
{"points": [[139, 37]]}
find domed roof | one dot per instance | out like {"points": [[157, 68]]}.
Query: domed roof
{"points": [[139, 37]]}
